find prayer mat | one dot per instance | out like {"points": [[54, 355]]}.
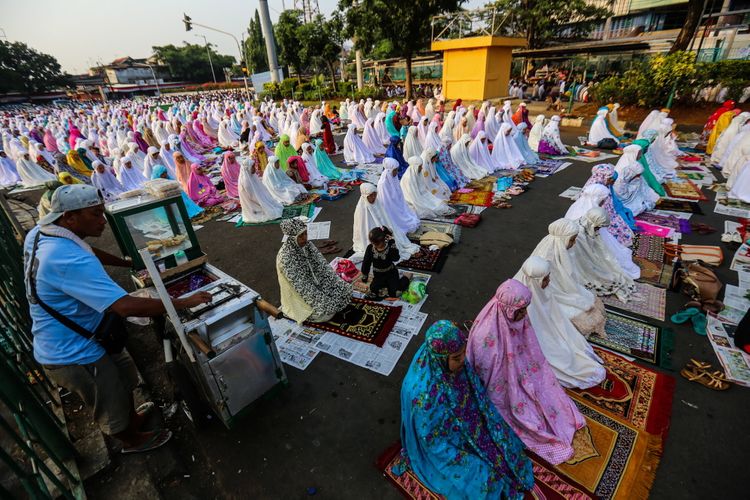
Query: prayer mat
{"points": [[648, 301], [306, 198], [547, 167], [634, 393], [453, 230], [685, 190], [362, 320], [632, 337], [427, 260], [289, 213], [612, 457], [688, 207], [548, 483], [648, 247], [670, 221], [483, 184], [458, 210], [480, 198], [655, 273]]}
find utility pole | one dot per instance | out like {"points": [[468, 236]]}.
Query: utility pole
{"points": [[360, 75], [208, 52], [267, 29]]}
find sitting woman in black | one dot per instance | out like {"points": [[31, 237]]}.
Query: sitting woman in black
{"points": [[382, 254]]}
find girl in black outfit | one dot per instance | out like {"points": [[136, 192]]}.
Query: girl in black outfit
{"points": [[382, 254]]}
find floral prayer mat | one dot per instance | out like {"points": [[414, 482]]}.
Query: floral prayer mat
{"points": [[547, 167], [640, 396], [483, 184], [648, 301], [669, 221], [635, 338], [453, 230], [649, 247], [655, 273], [479, 198], [289, 213], [688, 207], [685, 190], [548, 485], [362, 320], [426, 260]]}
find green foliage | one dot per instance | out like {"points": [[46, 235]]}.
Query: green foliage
{"points": [[286, 32], [190, 61], [543, 21], [650, 82], [255, 46], [23, 69], [346, 88]]}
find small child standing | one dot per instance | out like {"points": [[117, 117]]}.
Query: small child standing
{"points": [[382, 254]]}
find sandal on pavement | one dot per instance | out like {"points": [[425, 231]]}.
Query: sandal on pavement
{"points": [[714, 381], [329, 250], [700, 364], [157, 440]]}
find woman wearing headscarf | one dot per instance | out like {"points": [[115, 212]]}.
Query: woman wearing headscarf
{"points": [[622, 222], [193, 209], [630, 186], [8, 172], [230, 172], [355, 151], [324, 163], [432, 140], [200, 188], [129, 176], [297, 170], [279, 184], [727, 136], [106, 182], [711, 122], [370, 213], [182, 169], [74, 161], [452, 437], [379, 126], [571, 357], [430, 178], [227, 137], [50, 142], [260, 156], [740, 189], [599, 130], [257, 203], [328, 142], [480, 153], [310, 289], [372, 140], [153, 158], [66, 178], [519, 137], [583, 308], [648, 174], [613, 122], [391, 122], [308, 156], [525, 391], [43, 158], [30, 173], [412, 146], [460, 154], [447, 170], [732, 159], [535, 135], [392, 198], [739, 162], [505, 153], [316, 124], [284, 150], [521, 115], [422, 131], [550, 143]]}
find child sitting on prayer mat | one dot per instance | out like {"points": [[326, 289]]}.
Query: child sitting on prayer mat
{"points": [[382, 254]]}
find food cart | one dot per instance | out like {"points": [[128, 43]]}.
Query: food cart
{"points": [[221, 355]]}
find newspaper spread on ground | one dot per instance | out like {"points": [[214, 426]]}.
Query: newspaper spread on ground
{"points": [[295, 346], [571, 193], [736, 363], [318, 230], [731, 211]]}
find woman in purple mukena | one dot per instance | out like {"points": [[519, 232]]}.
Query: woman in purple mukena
{"points": [[550, 143]]}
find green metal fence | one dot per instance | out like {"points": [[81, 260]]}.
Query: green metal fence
{"points": [[37, 451]]}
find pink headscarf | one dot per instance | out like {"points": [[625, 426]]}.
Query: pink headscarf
{"points": [[200, 188], [519, 381], [299, 164], [230, 171], [50, 142], [478, 126]]}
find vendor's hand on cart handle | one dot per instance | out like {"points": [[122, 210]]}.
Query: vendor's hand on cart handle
{"points": [[193, 300]]}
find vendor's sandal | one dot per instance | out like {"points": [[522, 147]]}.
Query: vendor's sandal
{"points": [[330, 250], [502, 204], [157, 440], [714, 381], [699, 364]]}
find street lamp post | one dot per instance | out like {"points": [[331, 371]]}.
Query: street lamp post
{"points": [[208, 51], [189, 26], [156, 82]]}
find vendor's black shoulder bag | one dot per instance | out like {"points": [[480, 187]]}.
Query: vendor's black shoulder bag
{"points": [[111, 332]]}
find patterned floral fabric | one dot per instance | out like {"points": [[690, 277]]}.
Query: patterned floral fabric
{"points": [[449, 171], [619, 226], [453, 438]]}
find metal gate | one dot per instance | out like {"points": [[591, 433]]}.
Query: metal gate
{"points": [[36, 451]]}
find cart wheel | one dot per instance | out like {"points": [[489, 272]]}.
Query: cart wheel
{"points": [[196, 410]]}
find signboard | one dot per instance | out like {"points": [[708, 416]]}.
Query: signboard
{"points": [[260, 78], [652, 4]]}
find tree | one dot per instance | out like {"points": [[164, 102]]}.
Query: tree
{"points": [[320, 43], [190, 61], [255, 46], [23, 69], [543, 21], [406, 24], [692, 22], [286, 31]]}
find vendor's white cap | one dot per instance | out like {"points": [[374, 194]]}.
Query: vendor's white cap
{"points": [[70, 198]]}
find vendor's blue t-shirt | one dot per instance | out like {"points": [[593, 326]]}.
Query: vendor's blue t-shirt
{"points": [[72, 281]]}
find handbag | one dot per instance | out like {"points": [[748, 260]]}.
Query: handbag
{"points": [[111, 333], [468, 220], [708, 254], [698, 282], [346, 270]]}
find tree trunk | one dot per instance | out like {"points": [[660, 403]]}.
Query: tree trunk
{"points": [[333, 75], [408, 77], [692, 22]]}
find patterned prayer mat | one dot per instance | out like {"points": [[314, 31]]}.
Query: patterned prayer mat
{"points": [[480, 198], [640, 396], [548, 485], [670, 221], [655, 273], [427, 260], [612, 457], [648, 247], [648, 301], [306, 198], [483, 184], [289, 212], [458, 210], [454, 230], [685, 190], [636, 338], [362, 320], [547, 167], [688, 207]]}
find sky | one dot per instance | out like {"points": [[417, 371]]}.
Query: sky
{"points": [[83, 33]]}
